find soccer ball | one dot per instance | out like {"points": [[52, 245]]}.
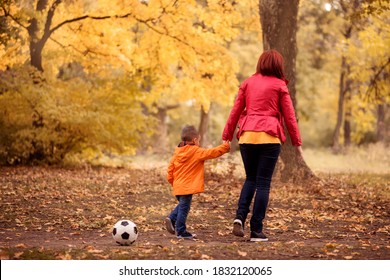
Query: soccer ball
{"points": [[125, 232]]}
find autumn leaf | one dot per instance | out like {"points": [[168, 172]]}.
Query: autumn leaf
{"points": [[205, 257], [242, 254], [4, 255], [65, 256], [319, 233]]}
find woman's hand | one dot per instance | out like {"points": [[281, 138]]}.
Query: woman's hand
{"points": [[299, 151]]}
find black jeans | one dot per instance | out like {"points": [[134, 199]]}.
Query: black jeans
{"points": [[259, 162]]}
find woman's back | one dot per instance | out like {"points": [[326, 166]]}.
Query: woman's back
{"points": [[262, 93]]}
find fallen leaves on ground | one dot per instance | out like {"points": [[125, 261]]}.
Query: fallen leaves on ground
{"points": [[59, 213]]}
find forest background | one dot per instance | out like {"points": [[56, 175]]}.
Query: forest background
{"points": [[85, 81], [111, 84]]}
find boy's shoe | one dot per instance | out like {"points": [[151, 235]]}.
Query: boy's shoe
{"points": [[169, 225], [258, 237], [238, 229], [186, 235]]}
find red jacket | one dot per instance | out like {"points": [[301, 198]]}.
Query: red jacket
{"points": [[263, 102]]}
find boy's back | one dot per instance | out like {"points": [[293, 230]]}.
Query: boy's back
{"points": [[186, 168]]}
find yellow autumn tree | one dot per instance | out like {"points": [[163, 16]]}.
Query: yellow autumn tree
{"points": [[342, 69], [369, 56], [132, 56]]}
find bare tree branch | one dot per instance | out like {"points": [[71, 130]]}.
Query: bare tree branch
{"points": [[7, 14], [48, 30], [85, 17], [49, 18], [373, 82], [145, 22], [68, 46]]}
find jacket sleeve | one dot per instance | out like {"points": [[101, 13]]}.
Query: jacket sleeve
{"points": [[218, 151], [171, 168], [238, 108], [289, 117]]}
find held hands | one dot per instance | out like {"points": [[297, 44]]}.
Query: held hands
{"points": [[226, 142]]}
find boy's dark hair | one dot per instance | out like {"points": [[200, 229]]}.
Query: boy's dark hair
{"points": [[188, 133]]}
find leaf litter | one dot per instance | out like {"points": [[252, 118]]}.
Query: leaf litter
{"points": [[68, 213]]}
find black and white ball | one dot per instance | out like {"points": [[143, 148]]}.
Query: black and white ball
{"points": [[125, 232]]}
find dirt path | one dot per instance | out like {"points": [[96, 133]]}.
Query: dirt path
{"points": [[57, 213]]}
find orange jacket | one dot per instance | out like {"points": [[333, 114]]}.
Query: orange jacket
{"points": [[186, 168]]}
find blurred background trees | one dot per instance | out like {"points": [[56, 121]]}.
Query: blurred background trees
{"points": [[82, 79], [343, 72]]}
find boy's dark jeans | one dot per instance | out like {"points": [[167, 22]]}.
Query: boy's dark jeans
{"points": [[180, 213], [259, 162]]}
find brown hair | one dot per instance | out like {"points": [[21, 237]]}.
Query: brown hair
{"points": [[271, 63], [189, 133]]}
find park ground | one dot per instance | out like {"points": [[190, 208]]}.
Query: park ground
{"points": [[68, 212]]}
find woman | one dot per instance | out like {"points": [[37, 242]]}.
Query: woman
{"points": [[263, 102]]}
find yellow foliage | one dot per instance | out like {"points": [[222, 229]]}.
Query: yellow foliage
{"points": [[169, 40], [154, 53], [53, 119], [368, 55]]}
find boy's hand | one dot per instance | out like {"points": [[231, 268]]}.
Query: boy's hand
{"points": [[226, 142]]}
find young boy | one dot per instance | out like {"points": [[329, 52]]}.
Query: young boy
{"points": [[186, 175]]}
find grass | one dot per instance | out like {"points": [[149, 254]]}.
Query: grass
{"points": [[373, 159]]}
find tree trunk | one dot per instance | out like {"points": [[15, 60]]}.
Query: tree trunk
{"points": [[36, 44], [279, 24], [160, 137], [35, 48], [347, 120], [344, 90], [204, 127], [36, 55], [340, 110], [34, 31], [160, 145], [380, 125], [348, 8]]}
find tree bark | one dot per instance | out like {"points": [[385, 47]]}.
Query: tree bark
{"points": [[380, 125], [340, 110], [347, 7], [204, 127], [279, 24], [36, 43], [160, 144], [347, 120], [344, 90]]}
